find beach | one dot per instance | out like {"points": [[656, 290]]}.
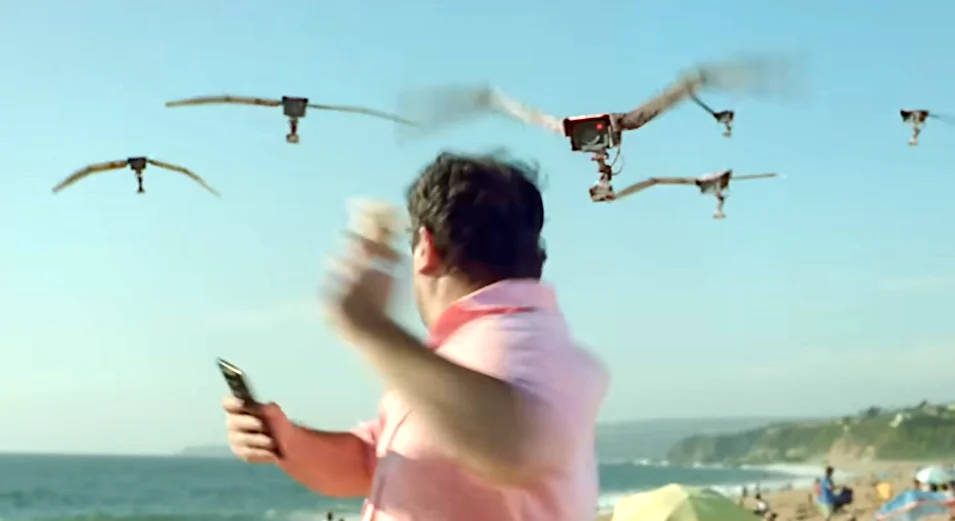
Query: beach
{"points": [[796, 504]]}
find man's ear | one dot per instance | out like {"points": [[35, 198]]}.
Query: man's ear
{"points": [[426, 259]]}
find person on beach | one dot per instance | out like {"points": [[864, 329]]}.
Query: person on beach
{"points": [[492, 418], [827, 495], [762, 507]]}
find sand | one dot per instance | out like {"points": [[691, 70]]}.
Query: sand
{"points": [[796, 504]]}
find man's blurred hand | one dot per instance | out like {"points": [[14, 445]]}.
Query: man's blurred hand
{"points": [[357, 294]]}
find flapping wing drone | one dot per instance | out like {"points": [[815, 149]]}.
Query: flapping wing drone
{"points": [[597, 134], [723, 117], [137, 165], [716, 184], [293, 108], [918, 118]]}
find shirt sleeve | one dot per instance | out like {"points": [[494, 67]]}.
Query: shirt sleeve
{"points": [[563, 386], [369, 432]]}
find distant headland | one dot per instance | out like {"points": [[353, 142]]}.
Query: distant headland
{"points": [[206, 451]]}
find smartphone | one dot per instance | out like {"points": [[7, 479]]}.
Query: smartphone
{"points": [[235, 378], [236, 381]]}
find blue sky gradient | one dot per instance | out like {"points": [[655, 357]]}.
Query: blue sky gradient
{"points": [[821, 293]]}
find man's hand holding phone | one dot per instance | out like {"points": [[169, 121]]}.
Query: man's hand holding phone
{"points": [[249, 436]]}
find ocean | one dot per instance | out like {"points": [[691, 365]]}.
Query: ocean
{"points": [[125, 488]]}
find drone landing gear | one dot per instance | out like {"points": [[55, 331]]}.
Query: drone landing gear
{"points": [[720, 201], [916, 130], [729, 130], [292, 136], [139, 182], [602, 191]]}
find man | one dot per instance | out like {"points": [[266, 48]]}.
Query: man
{"points": [[493, 417], [827, 495]]}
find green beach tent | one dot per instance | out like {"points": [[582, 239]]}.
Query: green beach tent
{"points": [[679, 503]]}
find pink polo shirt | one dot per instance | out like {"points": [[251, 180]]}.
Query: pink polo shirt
{"points": [[513, 331]]}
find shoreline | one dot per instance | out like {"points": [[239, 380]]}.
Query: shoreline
{"points": [[790, 496], [785, 477]]}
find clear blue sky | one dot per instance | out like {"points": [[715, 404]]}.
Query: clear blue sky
{"points": [[819, 294]]}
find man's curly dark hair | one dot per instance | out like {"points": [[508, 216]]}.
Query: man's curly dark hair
{"points": [[485, 214]]}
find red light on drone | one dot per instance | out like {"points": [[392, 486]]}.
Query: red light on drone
{"points": [[600, 126]]}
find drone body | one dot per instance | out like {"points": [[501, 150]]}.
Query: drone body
{"points": [[137, 165], [716, 184], [294, 108], [725, 118], [592, 134]]}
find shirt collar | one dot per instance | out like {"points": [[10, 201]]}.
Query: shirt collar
{"points": [[505, 297]]}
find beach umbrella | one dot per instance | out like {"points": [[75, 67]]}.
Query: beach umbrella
{"points": [[913, 505], [934, 475], [679, 503]]}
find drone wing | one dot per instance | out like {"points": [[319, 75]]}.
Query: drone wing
{"points": [[656, 106], [753, 176], [90, 170], [510, 107], [440, 107], [654, 181], [208, 100], [184, 171], [759, 75], [944, 118], [363, 110]]}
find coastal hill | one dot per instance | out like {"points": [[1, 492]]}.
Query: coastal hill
{"points": [[925, 431], [650, 439]]}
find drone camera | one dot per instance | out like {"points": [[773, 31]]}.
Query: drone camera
{"points": [[137, 163], [591, 133], [294, 107]]}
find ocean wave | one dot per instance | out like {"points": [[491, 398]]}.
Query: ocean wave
{"points": [[643, 462], [801, 470]]}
